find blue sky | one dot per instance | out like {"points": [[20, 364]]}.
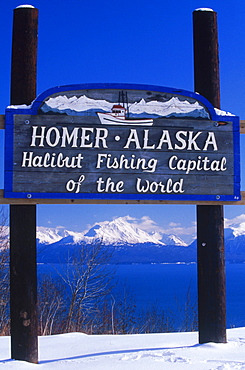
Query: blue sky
{"points": [[145, 42]]}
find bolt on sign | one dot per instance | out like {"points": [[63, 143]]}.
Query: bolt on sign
{"points": [[121, 141]]}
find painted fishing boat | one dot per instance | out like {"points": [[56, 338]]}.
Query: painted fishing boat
{"points": [[118, 117]]}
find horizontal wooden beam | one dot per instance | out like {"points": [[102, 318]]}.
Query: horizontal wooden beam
{"points": [[113, 201], [242, 126], [2, 124]]}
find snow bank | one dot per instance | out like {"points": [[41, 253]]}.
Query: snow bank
{"points": [[166, 351]]}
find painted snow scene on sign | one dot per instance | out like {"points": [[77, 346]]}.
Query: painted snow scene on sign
{"points": [[124, 107]]}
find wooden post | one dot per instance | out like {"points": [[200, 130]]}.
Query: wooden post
{"points": [[210, 219], [23, 274]]}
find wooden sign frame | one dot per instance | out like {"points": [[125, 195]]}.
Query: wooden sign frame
{"points": [[66, 146]]}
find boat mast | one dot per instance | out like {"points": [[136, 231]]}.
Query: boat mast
{"points": [[123, 100]]}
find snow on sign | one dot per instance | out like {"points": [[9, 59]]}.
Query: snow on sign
{"points": [[111, 141]]}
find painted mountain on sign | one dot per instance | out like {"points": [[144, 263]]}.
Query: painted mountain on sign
{"points": [[83, 105]]}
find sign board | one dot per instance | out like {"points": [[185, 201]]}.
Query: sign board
{"points": [[111, 141]]}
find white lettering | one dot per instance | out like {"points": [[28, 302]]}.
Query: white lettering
{"points": [[109, 186], [27, 159], [86, 137], [35, 136], [154, 186], [121, 162], [165, 138], [101, 135], [146, 134], [199, 164], [133, 137], [56, 135], [211, 141], [71, 185], [192, 142], [181, 140], [66, 137], [51, 160]]}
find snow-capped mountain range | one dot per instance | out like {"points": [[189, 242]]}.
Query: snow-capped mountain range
{"points": [[132, 244], [117, 232]]}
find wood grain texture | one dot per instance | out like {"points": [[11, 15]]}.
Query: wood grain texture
{"points": [[2, 124], [23, 267], [130, 155]]}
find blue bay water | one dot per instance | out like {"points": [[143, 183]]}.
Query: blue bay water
{"points": [[167, 286]]}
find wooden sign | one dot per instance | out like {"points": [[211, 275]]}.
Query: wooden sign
{"points": [[121, 142]]}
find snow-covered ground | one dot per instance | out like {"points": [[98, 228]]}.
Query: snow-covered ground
{"points": [[140, 351]]}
